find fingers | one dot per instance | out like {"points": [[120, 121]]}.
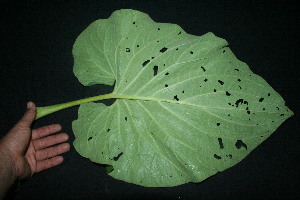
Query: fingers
{"points": [[52, 151], [44, 131], [28, 117], [45, 142], [46, 164]]}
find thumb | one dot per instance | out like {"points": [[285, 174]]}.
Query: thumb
{"points": [[28, 117]]}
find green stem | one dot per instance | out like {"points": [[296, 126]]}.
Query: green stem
{"points": [[43, 111]]}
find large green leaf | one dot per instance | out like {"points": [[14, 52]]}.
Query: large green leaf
{"points": [[186, 107]]}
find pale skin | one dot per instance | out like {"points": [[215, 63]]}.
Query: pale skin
{"points": [[24, 152]]}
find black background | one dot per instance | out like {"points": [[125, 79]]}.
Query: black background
{"points": [[36, 64]]}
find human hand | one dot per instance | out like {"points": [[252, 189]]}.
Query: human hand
{"points": [[30, 151]]}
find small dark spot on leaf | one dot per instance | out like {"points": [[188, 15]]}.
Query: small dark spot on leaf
{"points": [[239, 80], [230, 156], [217, 157], [238, 102], [163, 49], [221, 82], [176, 98], [218, 124], [157, 41], [237, 70], [108, 130], [182, 91], [221, 143], [158, 29], [146, 62], [176, 49], [179, 33], [228, 115], [133, 22], [152, 57], [155, 69], [227, 93], [248, 112], [277, 108], [167, 73], [127, 49], [205, 80], [269, 94], [240, 87], [223, 51], [261, 99], [90, 138], [116, 158], [282, 115], [125, 118], [239, 144], [246, 102], [264, 109], [166, 85], [215, 90], [191, 52], [203, 68], [137, 45]]}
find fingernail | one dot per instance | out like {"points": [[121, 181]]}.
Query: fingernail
{"points": [[29, 104]]}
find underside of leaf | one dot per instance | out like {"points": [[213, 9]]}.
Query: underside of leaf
{"points": [[187, 108]]}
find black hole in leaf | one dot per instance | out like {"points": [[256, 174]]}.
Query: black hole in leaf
{"points": [[179, 33], [238, 102], [203, 68], [167, 73], [239, 80], [127, 50], [228, 94], [282, 115], [221, 82], [176, 98], [166, 85], [217, 157], [218, 124], [155, 69], [264, 109], [90, 138], [176, 49], [248, 112], [133, 22], [261, 99], [240, 87], [158, 29], [205, 80], [163, 49], [125, 118], [137, 45], [230, 156], [108, 130], [269, 94], [215, 90], [237, 70], [223, 51], [146, 62], [221, 143], [239, 144], [116, 158], [191, 52], [277, 108], [182, 91]]}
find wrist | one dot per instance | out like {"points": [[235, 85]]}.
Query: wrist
{"points": [[7, 167]]}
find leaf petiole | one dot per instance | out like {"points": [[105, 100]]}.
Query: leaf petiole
{"points": [[47, 110]]}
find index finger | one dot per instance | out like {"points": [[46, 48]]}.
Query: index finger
{"points": [[45, 130]]}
